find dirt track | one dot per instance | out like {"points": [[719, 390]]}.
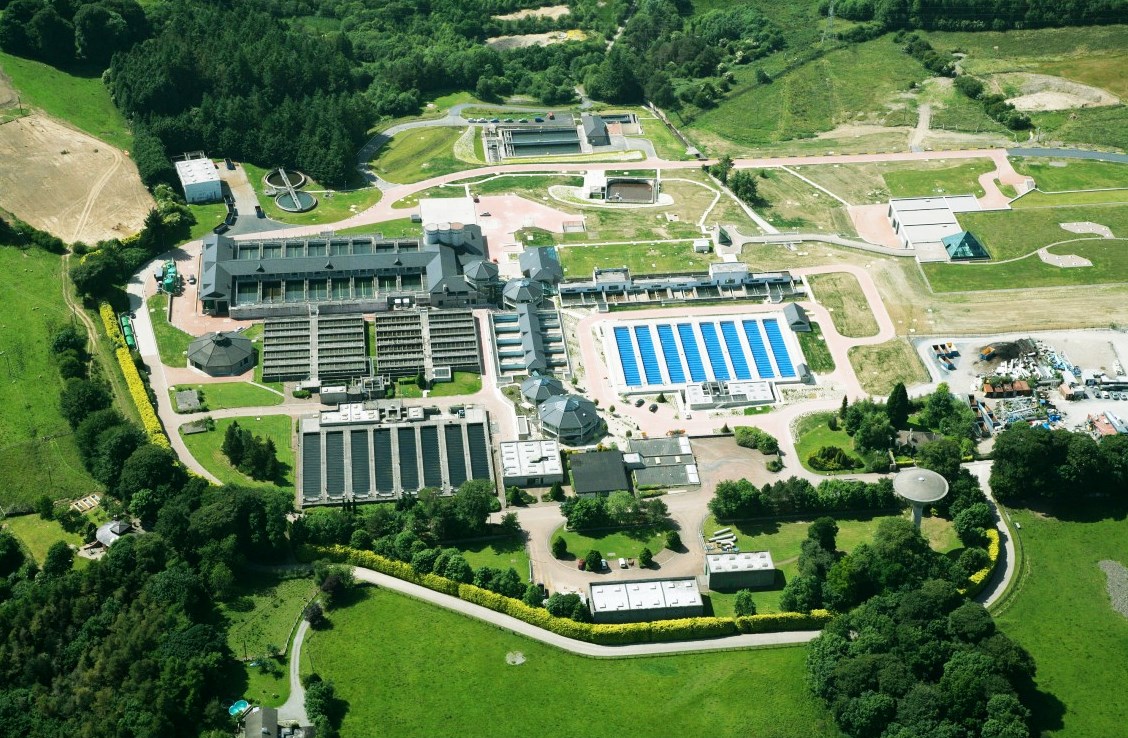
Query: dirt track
{"points": [[68, 183]]}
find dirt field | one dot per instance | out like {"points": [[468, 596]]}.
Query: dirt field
{"points": [[553, 11], [1046, 92], [70, 184], [506, 43]]}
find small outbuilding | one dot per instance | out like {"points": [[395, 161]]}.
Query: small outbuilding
{"points": [[199, 178], [595, 130], [109, 533], [221, 354], [537, 389], [743, 570], [571, 419], [599, 472], [643, 600], [796, 318]]}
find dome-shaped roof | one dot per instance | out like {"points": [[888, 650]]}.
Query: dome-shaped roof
{"points": [[523, 291], [538, 389], [569, 414], [220, 350], [920, 485]]}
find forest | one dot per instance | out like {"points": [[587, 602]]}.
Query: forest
{"points": [[980, 15]]}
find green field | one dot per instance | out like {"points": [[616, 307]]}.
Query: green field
{"points": [[655, 258], [455, 671], [222, 395], [812, 433], [784, 538], [500, 554], [840, 293], [462, 383], [172, 343], [207, 217], [1009, 234], [332, 206], [859, 83], [205, 447], [1060, 612], [37, 535], [815, 350], [1039, 199], [884, 365], [616, 543], [792, 203], [82, 101], [37, 453], [1109, 258], [1061, 175], [419, 154], [397, 228], [958, 179], [260, 619]]}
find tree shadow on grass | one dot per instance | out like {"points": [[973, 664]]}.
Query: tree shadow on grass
{"points": [[1047, 711]]}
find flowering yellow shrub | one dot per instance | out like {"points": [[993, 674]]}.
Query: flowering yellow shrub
{"points": [[109, 320], [978, 580], [149, 419]]}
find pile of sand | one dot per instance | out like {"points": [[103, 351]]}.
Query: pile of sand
{"points": [[1046, 92]]}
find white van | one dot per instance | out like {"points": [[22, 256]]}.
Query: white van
{"points": [[622, 563]]}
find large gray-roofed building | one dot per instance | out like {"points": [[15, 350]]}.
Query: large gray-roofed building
{"points": [[522, 292], [413, 341], [382, 451], [529, 341], [252, 279], [321, 347], [222, 354], [541, 264], [662, 462], [598, 472], [642, 600], [571, 419]]}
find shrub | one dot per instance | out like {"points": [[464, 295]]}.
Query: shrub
{"points": [[750, 437], [109, 322], [645, 558], [745, 605], [593, 561], [831, 458], [673, 540], [302, 394], [559, 547], [149, 420], [775, 465], [978, 580]]}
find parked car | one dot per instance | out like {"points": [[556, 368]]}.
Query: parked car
{"points": [[192, 279], [640, 402], [653, 408], [259, 212], [495, 120], [603, 565], [622, 563], [523, 120], [485, 213], [538, 120]]}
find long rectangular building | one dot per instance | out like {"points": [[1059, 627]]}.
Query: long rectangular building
{"points": [[380, 452], [324, 347], [413, 341], [641, 600]]}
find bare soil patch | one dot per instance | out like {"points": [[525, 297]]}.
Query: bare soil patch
{"points": [[68, 183], [1117, 585], [506, 43], [552, 11], [1046, 92], [7, 92]]}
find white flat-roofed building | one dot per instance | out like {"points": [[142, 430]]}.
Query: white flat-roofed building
{"points": [[710, 395], [531, 463], [200, 180], [645, 599], [740, 570]]}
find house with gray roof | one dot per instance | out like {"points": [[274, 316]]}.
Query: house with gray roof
{"points": [[522, 292], [221, 354], [541, 265], [571, 419], [537, 389], [796, 317], [595, 130]]}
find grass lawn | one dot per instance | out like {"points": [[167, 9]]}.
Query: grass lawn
{"points": [[644, 258], [617, 542], [1061, 614], [38, 535], [957, 179], [784, 538], [841, 294], [500, 554], [463, 383], [666, 144], [884, 365], [397, 228], [81, 100], [172, 343], [232, 394], [792, 203], [380, 636], [1109, 258], [812, 433], [1039, 199], [207, 217], [419, 154], [260, 619], [1061, 175], [815, 350], [1008, 234], [332, 205], [205, 447], [37, 452]]}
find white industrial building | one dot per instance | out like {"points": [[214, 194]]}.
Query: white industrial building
{"points": [[642, 600], [199, 179], [531, 463], [739, 570], [712, 395], [922, 223]]}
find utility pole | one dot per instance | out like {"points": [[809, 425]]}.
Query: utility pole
{"points": [[828, 31]]}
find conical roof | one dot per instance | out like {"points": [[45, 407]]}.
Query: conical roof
{"points": [[538, 389], [480, 271], [569, 414], [523, 291], [220, 350]]}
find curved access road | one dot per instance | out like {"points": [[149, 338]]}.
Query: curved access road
{"points": [[1006, 566], [293, 710]]}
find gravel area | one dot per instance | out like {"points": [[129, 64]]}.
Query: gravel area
{"points": [[1117, 585]]}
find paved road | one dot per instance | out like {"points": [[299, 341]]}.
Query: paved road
{"points": [[294, 707], [1005, 568], [1070, 154]]}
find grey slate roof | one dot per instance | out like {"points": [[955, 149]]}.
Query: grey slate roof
{"points": [[523, 291], [542, 265], [569, 414], [598, 471], [220, 350], [480, 270], [108, 533], [594, 126], [538, 389], [796, 315]]}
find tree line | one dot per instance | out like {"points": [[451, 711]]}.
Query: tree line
{"points": [[72, 32], [979, 15], [1035, 464]]}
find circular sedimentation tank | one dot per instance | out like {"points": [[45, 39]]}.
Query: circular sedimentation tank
{"points": [[273, 178], [299, 202]]}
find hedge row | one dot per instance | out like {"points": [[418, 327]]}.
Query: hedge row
{"points": [[109, 320], [978, 580], [149, 418], [658, 631]]}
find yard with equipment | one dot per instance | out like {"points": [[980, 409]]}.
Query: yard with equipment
{"points": [[207, 449], [884, 365], [37, 451], [1062, 613], [456, 669], [840, 293]]}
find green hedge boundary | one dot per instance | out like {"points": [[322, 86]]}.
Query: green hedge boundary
{"points": [[620, 634]]}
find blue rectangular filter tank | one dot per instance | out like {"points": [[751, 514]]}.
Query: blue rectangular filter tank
{"points": [[692, 354], [779, 348], [736, 351], [713, 348], [649, 358], [671, 354], [759, 351], [627, 356]]}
